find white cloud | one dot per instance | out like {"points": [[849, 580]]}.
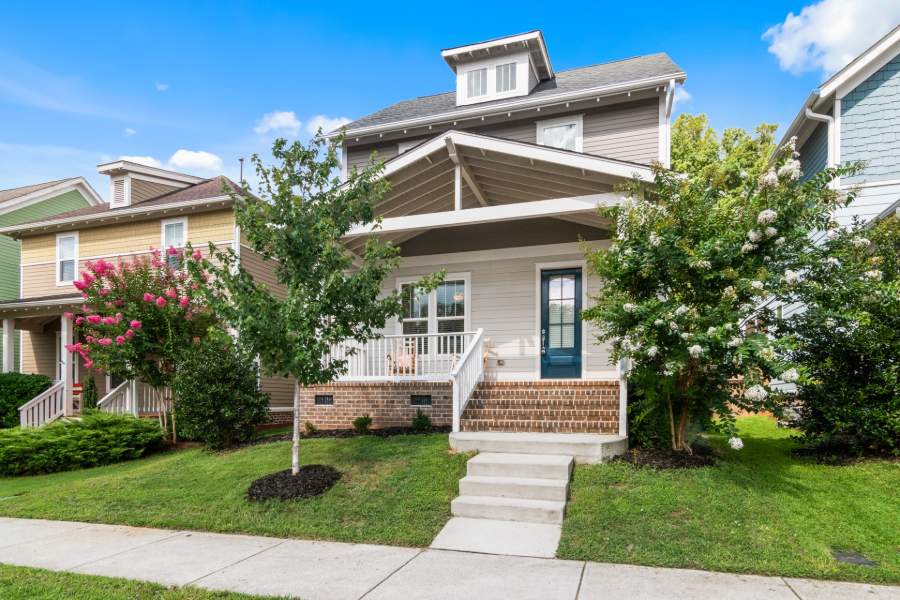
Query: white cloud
{"points": [[278, 122], [129, 131], [161, 87], [195, 159], [682, 96], [327, 124], [142, 160], [829, 34]]}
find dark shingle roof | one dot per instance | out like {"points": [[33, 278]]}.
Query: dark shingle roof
{"points": [[13, 193], [573, 80]]}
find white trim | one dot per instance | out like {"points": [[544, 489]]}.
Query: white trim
{"points": [[133, 167], [162, 231], [863, 66], [490, 214], [548, 266], [521, 60], [542, 251], [576, 120], [75, 259], [522, 38], [465, 276], [79, 184]]}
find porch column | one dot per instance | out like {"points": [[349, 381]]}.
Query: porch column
{"points": [[65, 365], [9, 329]]}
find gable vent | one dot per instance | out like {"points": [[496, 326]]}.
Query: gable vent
{"points": [[118, 195]]}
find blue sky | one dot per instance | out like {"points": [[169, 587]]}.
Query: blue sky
{"points": [[188, 84]]}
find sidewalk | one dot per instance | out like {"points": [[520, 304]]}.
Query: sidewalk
{"points": [[335, 571]]}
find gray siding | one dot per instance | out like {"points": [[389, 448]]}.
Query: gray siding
{"points": [[814, 152], [870, 125], [870, 201]]}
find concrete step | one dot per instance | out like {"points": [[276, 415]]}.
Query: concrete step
{"points": [[530, 466], [586, 448], [508, 509], [514, 487]]}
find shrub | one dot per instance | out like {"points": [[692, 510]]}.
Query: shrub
{"points": [[95, 439], [89, 393], [217, 400], [361, 424], [15, 390], [310, 428], [421, 422]]}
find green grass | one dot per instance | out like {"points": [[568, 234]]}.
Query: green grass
{"points": [[393, 490], [22, 583], [758, 511]]}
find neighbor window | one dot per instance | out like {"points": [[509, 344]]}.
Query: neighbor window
{"points": [[174, 235], [476, 81], [506, 77], [561, 133], [440, 311], [66, 257]]}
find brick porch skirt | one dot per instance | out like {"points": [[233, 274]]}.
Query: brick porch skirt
{"points": [[566, 406]]}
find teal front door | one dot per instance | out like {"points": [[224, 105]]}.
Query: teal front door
{"points": [[561, 324]]}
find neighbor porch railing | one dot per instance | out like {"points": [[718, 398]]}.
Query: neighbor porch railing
{"points": [[47, 406], [424, 357], [136, 398]]}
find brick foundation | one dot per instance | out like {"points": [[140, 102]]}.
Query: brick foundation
{"points": [[544, 406]]}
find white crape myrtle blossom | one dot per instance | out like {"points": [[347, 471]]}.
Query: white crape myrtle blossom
{"points": [[756, 393], [830, 322], [791, 277], [673, 325], [703, 264], [790, 169], [686, 335], [754, 235], [768, 353], [729, 292], [790, 376], [748, 247], [833, 261], [628, 307], [860, 242], [770, 232], [757, 284], [695, 351], [736, 443], [874, 275], [655, 239], [735, 342], [766, 216], [681, 310], [659, 322], [780, 241], [652, 351], [770, 179], [728, 326], [711, 331]]}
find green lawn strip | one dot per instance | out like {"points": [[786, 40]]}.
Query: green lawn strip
{"points": [[394, 490], [23, 583], [758, 511]]}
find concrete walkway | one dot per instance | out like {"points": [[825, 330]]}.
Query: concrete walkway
{"points": [[333, 571]]}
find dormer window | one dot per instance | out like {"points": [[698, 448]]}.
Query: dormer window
{"points": [[506, 77], [477, 83], [493, 78]]}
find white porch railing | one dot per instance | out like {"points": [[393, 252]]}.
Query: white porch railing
{"points": [[466, 375], [425, 357], [47, 406], [136, 398]]}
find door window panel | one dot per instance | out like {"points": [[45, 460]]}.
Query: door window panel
{"points": [[561, 309]]}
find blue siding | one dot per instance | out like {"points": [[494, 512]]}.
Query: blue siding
{"points": [[814, 152], [870, 125]]}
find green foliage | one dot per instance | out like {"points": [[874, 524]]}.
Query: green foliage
{"points": [[15, 390], [310, 428], [362, 424], [89, 393], [421, 422], [692, 259], [95, 439], [847, 340], [217, 399]]}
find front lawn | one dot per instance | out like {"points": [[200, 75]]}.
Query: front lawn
{"points": [[22, 583], [394, 490], [758, 511]]}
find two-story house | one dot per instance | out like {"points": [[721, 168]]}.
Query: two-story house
{"points": [[855, 116], [27, 203], [497, 182], [149, 207]]}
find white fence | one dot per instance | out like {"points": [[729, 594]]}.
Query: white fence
{"points": [[47, 406], [136, 398], [426, 357]]}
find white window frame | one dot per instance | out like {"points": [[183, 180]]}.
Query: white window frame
{"points": [[162, 232], [487, 76], [59, 280], [432, 301], [513, 75], [576, 120], [523, 67]]}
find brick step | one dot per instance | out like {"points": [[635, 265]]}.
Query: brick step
{"points": [[526, 394], [555, 415], [539, 406], [547, 426], [555, 401]]}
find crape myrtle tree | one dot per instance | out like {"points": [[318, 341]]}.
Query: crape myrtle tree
{"points": [[297, 221], [694, 255]]}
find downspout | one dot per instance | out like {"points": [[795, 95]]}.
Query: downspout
{"points": [[830, 121]]}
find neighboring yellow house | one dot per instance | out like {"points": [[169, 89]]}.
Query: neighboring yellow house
{"points": [[149, 207]]}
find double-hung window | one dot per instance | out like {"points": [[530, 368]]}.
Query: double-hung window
{"points": [[66, 257], [443, 311], [174, 235], [565, 133], [506, 77], [476, 82]]}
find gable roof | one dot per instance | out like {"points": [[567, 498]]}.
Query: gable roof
{"points": [[207, 191], [595, 79], [14, 198]]}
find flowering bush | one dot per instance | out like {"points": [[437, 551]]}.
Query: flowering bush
{"points": [[137, 316], [692, 258], [847, 340]]}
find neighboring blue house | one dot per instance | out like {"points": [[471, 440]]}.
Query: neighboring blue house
{"points": [[855, 116]]}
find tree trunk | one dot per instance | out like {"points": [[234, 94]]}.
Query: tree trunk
{"points": [[295, 447]]}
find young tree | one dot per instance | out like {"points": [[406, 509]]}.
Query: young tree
{"points": [[330, 296], [693, 256]]}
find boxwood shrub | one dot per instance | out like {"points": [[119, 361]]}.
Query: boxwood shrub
{"points": [[15, 390], [95, 439]]}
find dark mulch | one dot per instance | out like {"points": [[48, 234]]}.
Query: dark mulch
{"points": [[347, 433], [311, 481], [658, 458]]}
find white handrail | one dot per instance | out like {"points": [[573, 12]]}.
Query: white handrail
{"points": [[117, 401], [466, 376], [47, 406], [136, 398], [416, 357]]}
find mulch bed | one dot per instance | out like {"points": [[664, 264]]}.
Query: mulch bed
{"points": [[348, 433], [662, 459], [311, 481]]}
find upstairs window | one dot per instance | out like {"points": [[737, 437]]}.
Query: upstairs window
{"points": [[66, 258], [174, 235], [477, 82], [564, 133], [506, 77]]}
